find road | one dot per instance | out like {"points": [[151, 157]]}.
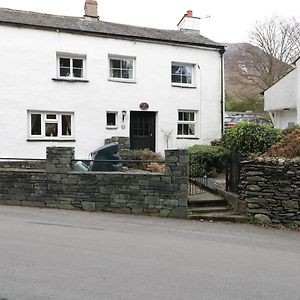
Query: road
{"points": [[58, 254]]}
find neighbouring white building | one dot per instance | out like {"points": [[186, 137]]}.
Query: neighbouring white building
{"points": [[282, 99], [71, 81]]}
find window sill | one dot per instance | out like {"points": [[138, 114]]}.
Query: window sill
{"points": [[188, 86], [121, 80], [50, 140], [111, 127], [187, 138], [70, 80]]}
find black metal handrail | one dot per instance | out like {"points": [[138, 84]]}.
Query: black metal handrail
{"points": [[121, 160], [22, 159]]}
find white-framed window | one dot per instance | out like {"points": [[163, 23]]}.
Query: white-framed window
{"points": [[121, 68], [182, 74], [71, 66], [111, 119], [186, 124], [51, 125]]}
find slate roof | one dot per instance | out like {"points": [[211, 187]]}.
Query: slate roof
{"points": [[100, 28]]}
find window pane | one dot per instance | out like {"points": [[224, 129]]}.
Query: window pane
{"points": [[36, 124], [64, 72], [176, 78], [179, 129], [116, 73], [77, 73], [51, 129], [127, 64], [66, 125], [111, 119], [127, 74], [185, 129], [186, 70], [180, 116], [186, 79], [174, 69], [78, 63], [114, 63], [51, 117], [177, 70], [192, 116], [191, 129], [64, 62]]}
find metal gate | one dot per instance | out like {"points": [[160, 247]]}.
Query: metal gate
{"points": [[197, 178]]}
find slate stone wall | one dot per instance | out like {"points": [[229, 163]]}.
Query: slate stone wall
{"points": [[271, 187], [135, 193], [23, 164]]}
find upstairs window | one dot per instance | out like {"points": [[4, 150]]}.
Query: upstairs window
{"points": [[71, 67], [50, 125], [186, 123], [121, 68], [182, 74]]}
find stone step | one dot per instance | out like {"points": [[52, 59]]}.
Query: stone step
{"points": [[208, 209], [206, 199], [207, 203], [219, 217]]}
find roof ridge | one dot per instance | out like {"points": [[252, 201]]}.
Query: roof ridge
{"points": [[39, 13], [86, 26]]}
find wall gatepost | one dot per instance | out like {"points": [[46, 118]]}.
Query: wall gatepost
{"points": [[59, 159], [177, 167]]}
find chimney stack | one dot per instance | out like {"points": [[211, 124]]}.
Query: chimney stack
{"points": [[91, 9], [189, 23]]}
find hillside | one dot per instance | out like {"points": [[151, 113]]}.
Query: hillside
{"points": [[235, 61]]}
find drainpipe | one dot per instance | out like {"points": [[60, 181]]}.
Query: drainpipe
{"points": [[222, 51]]}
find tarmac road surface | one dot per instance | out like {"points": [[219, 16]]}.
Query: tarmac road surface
{"points": [[58, 254]]}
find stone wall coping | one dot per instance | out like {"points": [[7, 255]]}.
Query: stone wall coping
{"points": [[272, 161], [15, 170], [117, 173]]}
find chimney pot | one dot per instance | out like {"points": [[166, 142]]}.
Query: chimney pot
{"points": [[189, 13], [91, 9]]}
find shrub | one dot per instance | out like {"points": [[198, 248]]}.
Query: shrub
{"points": [[144, 154], [207, 160], [288, 146], [250, 138]]}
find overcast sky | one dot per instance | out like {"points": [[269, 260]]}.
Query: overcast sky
{"points": [[229, 21]]}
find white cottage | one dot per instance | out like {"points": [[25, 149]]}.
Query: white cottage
{"points": [[71, 81], [282, 99]]}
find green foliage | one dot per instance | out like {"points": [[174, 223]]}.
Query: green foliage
{"points": [[206, 159], [253, 104], [250, 138], [291, 129]]}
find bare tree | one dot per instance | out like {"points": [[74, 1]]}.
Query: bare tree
{"points": [[275, 44]]}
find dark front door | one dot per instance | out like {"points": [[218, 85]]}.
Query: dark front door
{"points": [[142, 130]]}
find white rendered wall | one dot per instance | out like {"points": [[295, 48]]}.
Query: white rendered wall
{"points": [[282, 94], [29, 63], [284, 118]]}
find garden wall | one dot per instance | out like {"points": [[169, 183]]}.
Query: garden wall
{"points": [[271, 187], [57, 186], [23, 164]]}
